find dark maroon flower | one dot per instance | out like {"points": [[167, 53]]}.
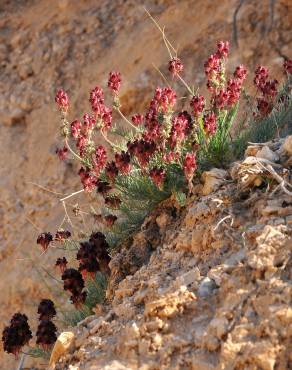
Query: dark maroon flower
{"points": [[111, 170], [158, 176], [223, 49], [288, 66], [76, 129], [190, 165], [74, 283], [263, 106], [46, 309], [137, 119], [46, 334], [79, 299], [112, 202], [110, 220], [17, 334], [101, 246], [44, 239], [62, 100], [210, 125], [114, 81], [198, 104], [123, 161], [175, 66], [269, 88], [61, 263], [87, 255], [62, 153], [240, 72], [61, 235], [103, 187]]}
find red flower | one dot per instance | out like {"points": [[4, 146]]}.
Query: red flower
{"points": [[210, 125], [44, 239], [157, 175], [88, 181], [62, 100], [261, 74], [88, 122], [165, 98], [178, 130], [81, 144], [100, 159], [221, 99], [137, 119], [223, 49], [62, 153], [76, 129], [288, 66], [190, 165], [96, 100], [114, 81], [234, 91], [175, 66], [212, 66], [240, 72], [198, 104], [107, 117], [269, 88]]}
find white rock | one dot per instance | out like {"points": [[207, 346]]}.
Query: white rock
{"points": [[213, 179], [268, 154]]}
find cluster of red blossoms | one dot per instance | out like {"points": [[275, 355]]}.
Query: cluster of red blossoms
{"points": [[17, 334], [162, 138]]}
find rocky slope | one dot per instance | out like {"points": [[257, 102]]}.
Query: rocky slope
{"points": [[45, 45], [204, 287]]}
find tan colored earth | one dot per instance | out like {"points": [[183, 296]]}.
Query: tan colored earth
{"points": [[74, 44]]}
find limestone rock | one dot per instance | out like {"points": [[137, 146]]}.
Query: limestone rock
{"points": [[64, 343], [213, 179]]}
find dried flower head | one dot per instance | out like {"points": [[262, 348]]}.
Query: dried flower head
{"points": [[17, 334], [61, 263], [62, 235], [46, 309], [158, 176], [46, 334], [44, 239], [175, 66]]}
